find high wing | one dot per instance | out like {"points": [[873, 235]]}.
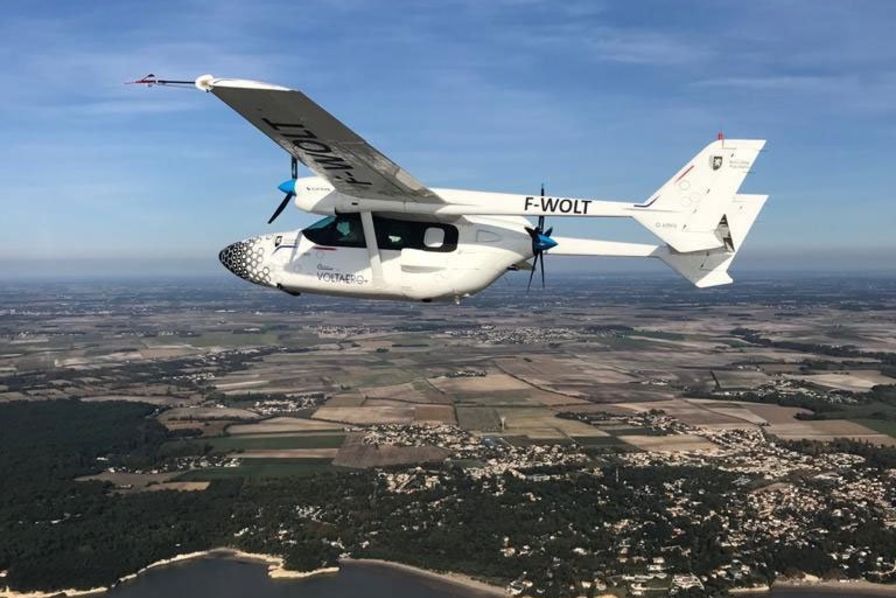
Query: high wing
{"points": [[319, 140]]}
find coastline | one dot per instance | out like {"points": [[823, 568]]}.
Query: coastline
{"points": [[7, 593], [276, 570], [458, 579], [865, 588]]}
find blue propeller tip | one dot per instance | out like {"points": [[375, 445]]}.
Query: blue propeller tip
{"points": [[288, 186], [544, 242]]}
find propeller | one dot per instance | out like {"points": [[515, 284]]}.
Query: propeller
{"points": [[541, 242], [289, 188]]}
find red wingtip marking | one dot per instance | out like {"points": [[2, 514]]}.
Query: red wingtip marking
{"points": [[149, 79]]}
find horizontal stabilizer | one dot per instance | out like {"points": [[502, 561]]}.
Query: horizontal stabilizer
{"points": [[710, 268], [703, 268]]}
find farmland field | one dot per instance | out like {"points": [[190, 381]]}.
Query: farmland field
{"points": [[261, 468], [272, 442]]}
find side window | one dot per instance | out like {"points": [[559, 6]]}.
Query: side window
{"points": [[409, 234], [337, 231], [394, 234], [434, 237]]}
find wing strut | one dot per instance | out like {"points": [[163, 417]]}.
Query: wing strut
{"points": [[376, 266]]}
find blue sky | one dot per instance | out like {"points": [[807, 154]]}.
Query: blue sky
{"points": [[598, 99]]}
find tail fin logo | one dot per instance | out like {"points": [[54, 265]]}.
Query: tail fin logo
{"points": [[716, 162]]}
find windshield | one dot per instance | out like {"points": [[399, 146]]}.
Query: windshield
{"points": [[344, 230]]}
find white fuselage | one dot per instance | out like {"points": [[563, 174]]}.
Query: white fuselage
{"points": [[430, 258]]}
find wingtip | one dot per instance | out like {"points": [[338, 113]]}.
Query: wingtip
{"points": [[204, 82], [212, 82]]}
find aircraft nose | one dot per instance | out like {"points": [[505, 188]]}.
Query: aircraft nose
{"points": [[246, 259]]}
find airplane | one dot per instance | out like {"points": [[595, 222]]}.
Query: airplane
{"points": [[385, 235]]}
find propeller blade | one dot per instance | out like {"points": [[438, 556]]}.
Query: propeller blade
{"points": [[282, 206], [288, 187], [532, 273], [538, 246]]}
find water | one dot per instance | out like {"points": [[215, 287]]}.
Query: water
{"points": [[227, 578]]}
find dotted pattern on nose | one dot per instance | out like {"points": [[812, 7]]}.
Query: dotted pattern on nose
{"points": [[246, 260]]}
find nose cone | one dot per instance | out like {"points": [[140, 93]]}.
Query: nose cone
{"points": [[544, 242], [246, 259], [288, 186]]}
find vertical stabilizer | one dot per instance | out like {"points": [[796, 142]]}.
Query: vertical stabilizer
{"points": [[689, 212]]}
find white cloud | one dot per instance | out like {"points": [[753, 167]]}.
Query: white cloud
{"points": [[646, 47]]}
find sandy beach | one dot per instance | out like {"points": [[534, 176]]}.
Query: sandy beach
{"points": [[7, 593], [865, 588], [448, 577], [276, 566]]}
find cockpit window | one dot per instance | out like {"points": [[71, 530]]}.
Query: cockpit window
{"points": [[323, 222], [344, 230]]}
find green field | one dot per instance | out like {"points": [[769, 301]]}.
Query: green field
{"points": [[598, 441], [231, 444], [227, 444], [496, 398], [483, 419], [628, 431], [230, 339], [261, 468], [884, 426], [527, 441], [873, 412], [660, 334], [627, 342], [381, 375]]}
